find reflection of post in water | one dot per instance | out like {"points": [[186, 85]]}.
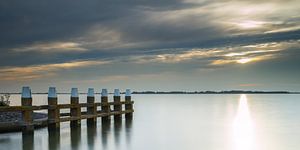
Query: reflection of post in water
{"points": [[91, 134], [105, 126], [28, 140], [128, 126], [75, 136], [54, 138], [117, 130]]}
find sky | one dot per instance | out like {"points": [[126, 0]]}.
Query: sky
{"points": [[193, 45]]}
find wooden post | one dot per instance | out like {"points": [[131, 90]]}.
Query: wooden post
{"points": [[53, 120], [75, 111], [118, 105], [27, 115], [128, 105], [53, 111], [105, 108], [91, 110]]}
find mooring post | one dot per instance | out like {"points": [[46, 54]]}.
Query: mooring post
{"points": [[92, 109], [105, 108], [128, 105], [27, 115], [117, 105], [76, 110], [53, 111]]}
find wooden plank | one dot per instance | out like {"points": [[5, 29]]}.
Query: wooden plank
{"points": [[88, 116], [65, 119], [19, 108], [66, 106], [60, 106]]}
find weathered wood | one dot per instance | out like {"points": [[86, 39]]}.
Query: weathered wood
{"points": [[92, 109], [53, 113], [75, 116], [117, 106], [105, 107], [27, 115], [18, 108], [76, 111], [128, 105]]}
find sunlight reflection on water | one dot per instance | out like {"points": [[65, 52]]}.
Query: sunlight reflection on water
{"points": [[243, 127]]}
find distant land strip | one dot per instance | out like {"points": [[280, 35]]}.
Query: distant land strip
{"points": [[192, 92]]}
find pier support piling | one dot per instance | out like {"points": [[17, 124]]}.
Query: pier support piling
{"points": [[117, 105], [27, 115], [76, 109], [105, 108], [92, 109], [128, 105], [53, 111]]}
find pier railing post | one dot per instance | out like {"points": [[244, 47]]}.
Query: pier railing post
{"points": [[27, 115], [91, 110], [117, 105], [105, 108], [128, 105], [53, 110], [75, 111]]}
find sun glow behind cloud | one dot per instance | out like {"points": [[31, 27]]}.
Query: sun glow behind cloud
{"points": [[222, 55], [244, 60], [249, 24]]}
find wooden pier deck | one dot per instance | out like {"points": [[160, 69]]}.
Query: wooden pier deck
{"points": [[55, 117]]}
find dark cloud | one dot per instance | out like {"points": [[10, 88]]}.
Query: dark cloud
{"points": [[24, 22]]}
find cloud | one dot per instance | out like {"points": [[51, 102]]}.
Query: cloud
{"points": [[136, 27], [142, 37], [220, 55], [242, 60], [186, 55], [52, 47], [43, 71], [255, 53], [284, 29]]}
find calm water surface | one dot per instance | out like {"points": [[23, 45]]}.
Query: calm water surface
{"points": [[178, 122]]}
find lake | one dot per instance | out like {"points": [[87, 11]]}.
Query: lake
{"points": [[178, 122]]}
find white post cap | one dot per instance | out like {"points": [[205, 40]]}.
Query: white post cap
{"points": [[117, 92], [104, 92], [52, 92], [91, 92], [128, 92], [26, 92], [74, 92]]}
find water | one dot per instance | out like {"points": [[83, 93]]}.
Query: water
{"points": [[177, 122]]}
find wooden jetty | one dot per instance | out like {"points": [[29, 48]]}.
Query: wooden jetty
{"points": [[55, 117]]}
